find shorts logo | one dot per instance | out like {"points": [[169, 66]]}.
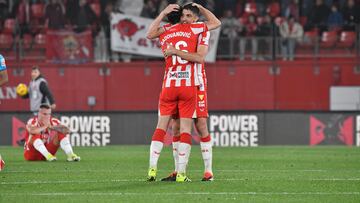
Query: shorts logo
{"points": [[201, 96], [179, 75]]}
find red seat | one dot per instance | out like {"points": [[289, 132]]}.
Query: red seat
{"points": [[279, 20], [37, 10], [273, 9], [243, 20], [40, 41], [6, 41], [347, 39], [9, 26], [328, 39], [96, 8], [27, 41], [260, 20], [303, 20], [310, 38]]}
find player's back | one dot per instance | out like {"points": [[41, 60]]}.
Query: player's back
{"points": [[183, 37]]}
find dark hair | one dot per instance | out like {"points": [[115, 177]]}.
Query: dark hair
{"points": [[44, 106], [192, 8], [174, 16], [35, 68]]}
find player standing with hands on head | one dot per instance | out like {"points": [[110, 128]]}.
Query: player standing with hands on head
{"points": [[3, 80]]}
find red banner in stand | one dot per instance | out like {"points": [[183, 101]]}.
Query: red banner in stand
{"points": [[69, 47]]}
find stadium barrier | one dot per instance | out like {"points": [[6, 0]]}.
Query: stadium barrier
{"points": [[298, 85], [228, 128]]}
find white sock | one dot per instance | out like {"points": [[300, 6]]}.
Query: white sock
{"points": [[40, 147], [206, 151], [184, 154], [66, 146], [175, 154], [155, 150]]}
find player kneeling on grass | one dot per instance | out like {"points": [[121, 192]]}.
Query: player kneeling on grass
{"points": [[44, 135]]}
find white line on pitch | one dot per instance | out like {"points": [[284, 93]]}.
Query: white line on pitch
{"points": [[143, 180], [219, 170], [182, 193]]}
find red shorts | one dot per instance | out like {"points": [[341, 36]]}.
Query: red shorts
{"points": [[31, 154], [178, 99], [201, 105]]}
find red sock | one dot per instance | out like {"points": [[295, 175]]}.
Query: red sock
{"points": [[185, 138], [159, 135], [176, 138], [205, 139]]}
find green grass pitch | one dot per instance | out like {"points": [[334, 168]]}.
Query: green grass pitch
{"points": [[118, 173]]}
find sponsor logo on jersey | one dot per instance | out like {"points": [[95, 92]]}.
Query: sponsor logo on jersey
{"points": [[179, 75]]}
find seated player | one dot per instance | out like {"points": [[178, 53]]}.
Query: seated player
{"points": [[44, 135]]}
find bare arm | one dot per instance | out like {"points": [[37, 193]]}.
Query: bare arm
{"points": [[61, 129], [197, 57], [212, 22], [3, 77], [34, 130], [154, 29]]}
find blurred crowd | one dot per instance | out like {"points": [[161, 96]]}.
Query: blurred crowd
{"points": [[242, 20]]}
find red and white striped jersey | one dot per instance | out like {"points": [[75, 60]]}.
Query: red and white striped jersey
{"points": [[34, 122], [185, 37], [204, 39]]}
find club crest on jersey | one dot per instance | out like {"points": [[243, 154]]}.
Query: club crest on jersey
{"points": [[201, 96]]}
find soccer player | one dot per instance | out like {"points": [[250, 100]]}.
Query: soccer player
{"points": [[179, 89], [190, 15], [44, 135], [3, 80], [3, 71]]}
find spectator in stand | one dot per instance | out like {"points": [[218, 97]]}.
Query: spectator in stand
{"points": [[319, 15], [230, 28], [71, 6], [261, 7], [264, 34], [249, 35], [4, 11], [23, 14], [55, 15], [335, 19], [351, 15], [290, 31], [149, 10], [84, 17], [292, 9], [104, 37]]}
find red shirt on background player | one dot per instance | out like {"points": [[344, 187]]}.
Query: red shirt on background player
{"points": [[44, 135]]}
